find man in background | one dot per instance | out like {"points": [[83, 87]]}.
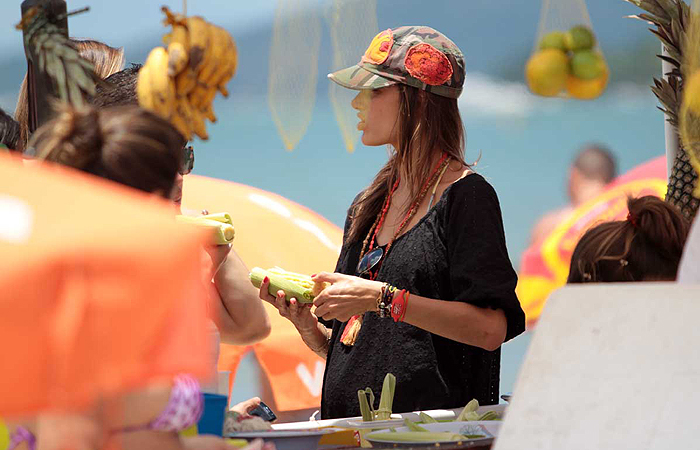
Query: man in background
{"points": [[592, 170]]}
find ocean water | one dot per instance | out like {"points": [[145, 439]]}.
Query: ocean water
{"points": [[525, 144]]}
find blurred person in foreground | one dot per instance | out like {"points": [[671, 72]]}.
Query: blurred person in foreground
{"points": [[136, 148], [592, 170], [646, 246], [106, 60], [9, 131]]}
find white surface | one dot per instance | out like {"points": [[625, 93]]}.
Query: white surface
{"points": [[689, 269], [610, 367]]}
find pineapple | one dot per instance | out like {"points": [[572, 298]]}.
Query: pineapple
{"points": [[671, 19]]}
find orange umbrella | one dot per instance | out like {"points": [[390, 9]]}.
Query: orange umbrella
{"points": [[273, 231], [100, 290], [545, 267]]}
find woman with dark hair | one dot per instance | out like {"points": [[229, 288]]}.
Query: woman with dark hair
{"points": [[647, 246], [423, 288]]}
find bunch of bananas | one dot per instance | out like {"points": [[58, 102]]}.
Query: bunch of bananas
{"points": [[179, 83]]}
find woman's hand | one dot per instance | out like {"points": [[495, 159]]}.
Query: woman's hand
{"points": [[243, 408], [346, 297], [299, 314]]}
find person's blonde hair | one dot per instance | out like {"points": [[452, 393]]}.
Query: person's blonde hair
{"points": [[107, 60]]}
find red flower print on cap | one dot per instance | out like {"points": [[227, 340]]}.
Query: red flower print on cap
{"points": [[428, 64]]}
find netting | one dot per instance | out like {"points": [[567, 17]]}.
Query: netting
{"points": [[566, 59], [293, 74], [353, 24], [689, 114]]}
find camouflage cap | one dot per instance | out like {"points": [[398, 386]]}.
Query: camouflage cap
{"points": [[414, 55]]}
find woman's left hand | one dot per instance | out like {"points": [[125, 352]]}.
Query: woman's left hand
{"points": [[346, 297]]}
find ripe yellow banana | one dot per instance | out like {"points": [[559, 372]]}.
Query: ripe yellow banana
{"points": [[178, 50], [217, 57], [177, 41], [143, 89], [162, 86], [182, 118], [208, 112], [199, 125], [200, 55]]}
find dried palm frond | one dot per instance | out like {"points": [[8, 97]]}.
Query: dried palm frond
{"points": [[54, 54]]}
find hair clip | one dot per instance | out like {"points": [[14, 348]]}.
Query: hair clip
{"points": [[624, 262]]}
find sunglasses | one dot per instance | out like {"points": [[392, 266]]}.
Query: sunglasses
{"points": [[187, 160], [369, 262]]}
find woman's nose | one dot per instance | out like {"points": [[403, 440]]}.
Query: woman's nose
{"points": [[355, 103]]}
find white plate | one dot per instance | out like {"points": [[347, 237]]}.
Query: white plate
{"points": [[488, 428]]}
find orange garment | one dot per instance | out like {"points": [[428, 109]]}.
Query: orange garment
{"points": [[100, 290], [273, 231]]}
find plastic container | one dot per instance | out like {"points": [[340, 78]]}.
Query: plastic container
{"points": [[212, 420]]}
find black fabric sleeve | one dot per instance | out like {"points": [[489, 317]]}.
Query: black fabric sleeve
{"points": [[479, 267]]}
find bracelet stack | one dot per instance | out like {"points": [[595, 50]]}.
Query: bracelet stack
{"points": [[392, 303]]}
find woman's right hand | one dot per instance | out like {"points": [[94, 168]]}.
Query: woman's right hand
{"points": [[297, 313]]}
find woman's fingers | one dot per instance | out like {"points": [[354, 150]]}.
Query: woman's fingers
{"points": [[281, 304], [265, 293]]}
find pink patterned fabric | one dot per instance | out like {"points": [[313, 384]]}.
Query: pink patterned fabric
{"points": [[21, 435], [184, 407]]}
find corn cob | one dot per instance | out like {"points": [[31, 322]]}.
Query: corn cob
{"points": [[220, 217], [293, 284], [222, 233]]}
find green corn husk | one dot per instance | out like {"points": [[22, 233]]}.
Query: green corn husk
{"points": [[471, 407], [418, 436], [413, 426], [279, 283], [490, 415], [425, 418], [220, 217], [386, 400], [366, 406]]}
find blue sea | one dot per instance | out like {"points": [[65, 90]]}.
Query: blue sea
{"points": [[525, 145]]}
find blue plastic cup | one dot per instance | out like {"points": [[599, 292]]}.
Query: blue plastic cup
{"points": [[212, 420]]}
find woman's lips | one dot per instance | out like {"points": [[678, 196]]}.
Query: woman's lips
{"points": [[361, 124]]}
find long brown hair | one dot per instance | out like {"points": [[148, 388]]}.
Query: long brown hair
{"points": [[428, 125], [645, 247], [124, 144], [107, 60]]}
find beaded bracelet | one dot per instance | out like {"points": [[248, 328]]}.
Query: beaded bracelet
{"points": [[384, 300]]}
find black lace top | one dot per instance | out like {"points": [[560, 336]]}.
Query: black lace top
{"points": [[456, 252]]}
